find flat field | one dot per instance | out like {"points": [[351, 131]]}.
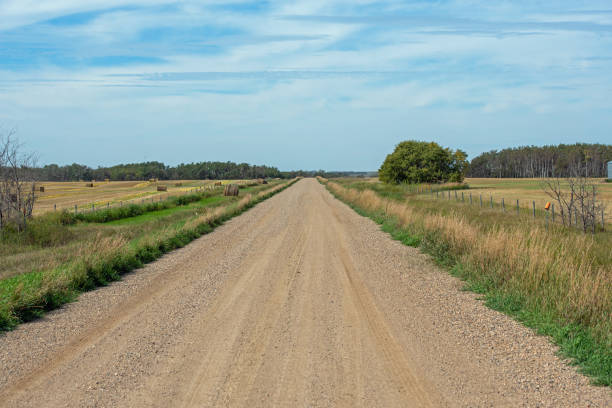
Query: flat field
{"points": [[525, 190], [529, 190], [65, 195]]}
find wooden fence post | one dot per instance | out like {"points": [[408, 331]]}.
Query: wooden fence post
{"points": [[470, 198], [553, 213], [54, 207], [517, 208], [533, 209], [594, 222], [75, 209], [462, 199], [491, 201], [503, 205], [481, 201], [603, 224]]}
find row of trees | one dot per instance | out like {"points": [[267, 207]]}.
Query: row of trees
{"points": [[148, 170], [544, 161]]}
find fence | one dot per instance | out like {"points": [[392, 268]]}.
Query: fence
{"points": [[550, 215], [92, 207]]}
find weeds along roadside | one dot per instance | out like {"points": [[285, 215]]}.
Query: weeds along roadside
{"points": [[559, 283], [54, 238], [27, 296]]}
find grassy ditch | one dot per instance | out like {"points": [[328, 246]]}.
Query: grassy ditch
{"points": [[557, 282], [112, 252], [134, 210]]}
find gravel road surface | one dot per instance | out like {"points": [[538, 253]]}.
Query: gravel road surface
{"points": [[299, 302]]}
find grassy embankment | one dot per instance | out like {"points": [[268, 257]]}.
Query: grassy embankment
{"points": [[57, 258], [557, 281]]}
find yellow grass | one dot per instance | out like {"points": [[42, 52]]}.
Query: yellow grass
{"points": [[65, 195], [527, 191], [555, 271]]}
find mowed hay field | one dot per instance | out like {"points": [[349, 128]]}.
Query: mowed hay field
{"points": [[65, 195], [529, 190]]}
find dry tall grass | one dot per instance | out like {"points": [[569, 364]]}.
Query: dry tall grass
{"points": [[555, 272], [104, 257]]}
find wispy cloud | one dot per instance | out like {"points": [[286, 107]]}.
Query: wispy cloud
{"points": [[365, 72]]}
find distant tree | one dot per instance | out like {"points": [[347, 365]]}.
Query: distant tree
{"points": [[422, 162], [17, 183]]}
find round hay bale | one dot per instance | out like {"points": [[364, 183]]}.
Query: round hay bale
{"points": [[231, 190], [162, 188]]}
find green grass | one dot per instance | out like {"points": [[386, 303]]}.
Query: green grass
{"points": [[149, 216], [110, 251], [586, 342]]}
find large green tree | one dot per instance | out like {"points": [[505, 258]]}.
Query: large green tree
{"points": [[422, 162]]}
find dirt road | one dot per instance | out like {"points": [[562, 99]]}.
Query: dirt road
{"points": [[299, 302]]}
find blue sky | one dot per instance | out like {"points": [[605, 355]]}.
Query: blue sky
{"points": [[304, 84]]}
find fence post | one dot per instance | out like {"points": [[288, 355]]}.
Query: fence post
{"points": [[481, 201], [75, 209], [517, 208], [54, 207], [594, 222], [470, 198], [503, 205], [576, 219], [491, 201], [456, 199], [547, 221], [448, 195], [462, 200], [92, 207], [603, 225], [437, 194], [533, 209], [108, 205], [553, 213]]}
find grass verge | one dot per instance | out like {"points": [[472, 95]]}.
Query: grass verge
{"points": [[29, 295], [556, 283]]}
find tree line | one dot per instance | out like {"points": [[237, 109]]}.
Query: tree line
{"points": [[543, 161], [147, 170]]}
